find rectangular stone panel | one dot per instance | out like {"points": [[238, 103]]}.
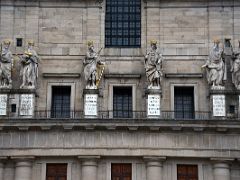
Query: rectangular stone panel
{"points": [[26, 105], [219, 107], [153, 105], [90, 105], [3, 104]]}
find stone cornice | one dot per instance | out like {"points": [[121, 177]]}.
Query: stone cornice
{"points": [[122, 124]]}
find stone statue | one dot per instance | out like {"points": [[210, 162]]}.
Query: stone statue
{"points": [[215, 67], [153, 66], [91, 64], [29, 71], [6, 63], [235, 69]]}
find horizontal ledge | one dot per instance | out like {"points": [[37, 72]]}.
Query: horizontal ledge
{"points": [[183, 75], [61, 75], [122, 76], [18, 91], [226, 91]]}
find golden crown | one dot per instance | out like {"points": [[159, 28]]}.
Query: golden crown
{"points": [[30, 42], [216, 40], [90, 43], [153, 42], [7, 42]]}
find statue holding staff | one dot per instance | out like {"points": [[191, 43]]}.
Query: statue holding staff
{"points": [[93, 67]]}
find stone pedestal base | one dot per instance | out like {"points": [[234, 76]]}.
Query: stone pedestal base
{"points": [[90, 103], [218, 104], [153, 103], [3, 105], [17, 102], [27, 104]]}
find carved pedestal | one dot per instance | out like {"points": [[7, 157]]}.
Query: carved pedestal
{"points": [[17, 103], [218, 104], [90, 103], [153, 103], [3, 104]]}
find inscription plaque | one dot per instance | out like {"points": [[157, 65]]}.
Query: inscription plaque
{"points": [[153, 105], [3, 104], [90, 106], [219, 105], [26, 105]]}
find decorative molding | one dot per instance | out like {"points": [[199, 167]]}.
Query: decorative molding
{"points": [[18, 91], [61, 75], [183, 75], [138, 76]]}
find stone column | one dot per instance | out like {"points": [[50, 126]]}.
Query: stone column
{"points": [[221, 169], [154, 167], [23, 169], [89, 167]]}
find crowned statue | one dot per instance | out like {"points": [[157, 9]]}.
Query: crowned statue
{"points": [[6, 63], [29, 70], [93, 67], [153, 66]]}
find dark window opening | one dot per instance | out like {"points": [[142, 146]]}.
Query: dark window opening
{"points": [[187, 172], [184, 102], [123, 23], [121, 171], [231, 109], [19, 42], [61, 101], [56, 171], [13, 108], [122, 102]]}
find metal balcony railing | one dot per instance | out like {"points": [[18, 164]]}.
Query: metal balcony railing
{"points": [[164, 115]]}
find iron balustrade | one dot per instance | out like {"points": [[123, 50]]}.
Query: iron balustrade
{"points": [[165, 115]]}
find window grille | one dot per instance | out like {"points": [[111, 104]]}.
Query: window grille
{"points": [[123, 23]]}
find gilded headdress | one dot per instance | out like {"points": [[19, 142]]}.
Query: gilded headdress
{"points": [[6, 42], [153, 42], [90, 43]]}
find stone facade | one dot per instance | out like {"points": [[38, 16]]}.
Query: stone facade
{"points": [[184, 31]]}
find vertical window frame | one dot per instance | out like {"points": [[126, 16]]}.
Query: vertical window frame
{"points": [[64, 111], [49, 95]]}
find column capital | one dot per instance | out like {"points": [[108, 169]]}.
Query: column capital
{"points": [[89, 160], [23, 158], [154, 158], [83, 158], [154, 161], [222, 160]]}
